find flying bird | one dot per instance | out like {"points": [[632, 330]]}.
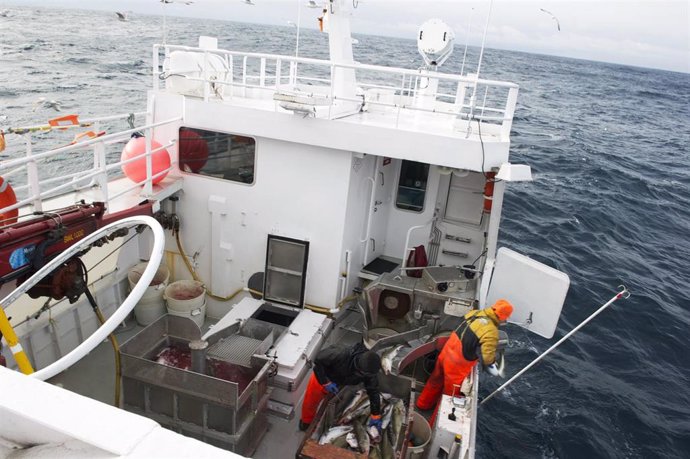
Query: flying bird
{"points": [[312, 4], [177, 1], [41, 102], [558, 24], [121, 16], [248, 2]]}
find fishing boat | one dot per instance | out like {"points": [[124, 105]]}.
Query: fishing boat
{"points": [[271, 205]]}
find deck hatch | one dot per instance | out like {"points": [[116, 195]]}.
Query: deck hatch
{"points": [[286, 270]]}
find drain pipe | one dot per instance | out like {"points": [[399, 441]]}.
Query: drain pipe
{"points": [[199, 348]]}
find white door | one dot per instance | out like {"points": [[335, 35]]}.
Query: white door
{"points": [[380, 207], [536, 291]]}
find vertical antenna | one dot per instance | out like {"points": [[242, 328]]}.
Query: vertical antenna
{"points": [[467, 41], [486, 28], [165, 28], [473, 99], [299, 17]]}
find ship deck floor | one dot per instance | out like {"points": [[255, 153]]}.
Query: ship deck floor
{"points": [[94, 377]]}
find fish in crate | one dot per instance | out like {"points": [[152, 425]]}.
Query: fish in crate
{"points": [[342, 427]]}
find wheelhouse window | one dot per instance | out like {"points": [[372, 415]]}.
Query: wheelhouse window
{"points": [[217, 154], [412, 186]]}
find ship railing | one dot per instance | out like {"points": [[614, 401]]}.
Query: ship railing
{"points": [[260, 76], [34, 177]]}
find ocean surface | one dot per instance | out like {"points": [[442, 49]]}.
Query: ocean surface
{"points": [[609, 147]]}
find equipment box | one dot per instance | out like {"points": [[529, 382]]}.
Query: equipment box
{"points": [[328, 413], [225, 405]]}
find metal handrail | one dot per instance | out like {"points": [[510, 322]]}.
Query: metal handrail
{"points": [[21, 161], [242, 76], [353, 66], [100, 175]]}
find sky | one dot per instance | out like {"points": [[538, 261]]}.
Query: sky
{"points": [[651, 33]]}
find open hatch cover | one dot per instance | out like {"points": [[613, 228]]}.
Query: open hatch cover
{"points": [[536, 291]]}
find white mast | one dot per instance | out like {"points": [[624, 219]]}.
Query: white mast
{"points": [[340, 47]]}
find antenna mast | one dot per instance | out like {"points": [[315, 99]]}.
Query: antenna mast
{"points": [[299, 17], [467, 41], [473, 99]]}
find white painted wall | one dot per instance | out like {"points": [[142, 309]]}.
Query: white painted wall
{"points": [[359, 197], [383, 195], [299, 192]]}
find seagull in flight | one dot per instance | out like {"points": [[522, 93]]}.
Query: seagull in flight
{"points": [[177, 1], [248, 2], [312, 4], [121, 16], [558, 24], [43, 103]]}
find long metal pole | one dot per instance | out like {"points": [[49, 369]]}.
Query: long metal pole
{"points": [[622, 294]]}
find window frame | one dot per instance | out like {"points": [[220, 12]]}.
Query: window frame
{"points": [[398, 185], [197, 174]]}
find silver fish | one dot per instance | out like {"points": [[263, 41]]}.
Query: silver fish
{"points": [[341, 442], [387, 359], [398, 418], [362, 437], [375, 452], [387, 414], [351, 439], [358, 398], [386, 396], [333, 433], [374, 434], [386, 448], [361, 409]]}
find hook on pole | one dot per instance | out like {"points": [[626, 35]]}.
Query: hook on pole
{"points": [[624, 293]]}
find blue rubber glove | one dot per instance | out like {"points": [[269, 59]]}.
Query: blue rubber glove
{"points": [[331, 387], [376, 420]]}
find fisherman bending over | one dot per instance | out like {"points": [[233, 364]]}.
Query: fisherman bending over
{"points": [[336, 367]]}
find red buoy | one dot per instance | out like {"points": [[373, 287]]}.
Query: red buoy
{"points": [[136, 170], [7, 198], [193, 151]]}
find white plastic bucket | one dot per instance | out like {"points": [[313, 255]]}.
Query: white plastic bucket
{"points": [[422, 434], [187, 298], [151, 305]]}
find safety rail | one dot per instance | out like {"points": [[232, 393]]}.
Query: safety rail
{"points": [[35, 189], [260, 76]]}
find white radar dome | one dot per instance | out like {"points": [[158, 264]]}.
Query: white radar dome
{"points": [[435, 42]]}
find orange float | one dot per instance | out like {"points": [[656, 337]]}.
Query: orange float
{"points": [[136, 170], [7, 198]]}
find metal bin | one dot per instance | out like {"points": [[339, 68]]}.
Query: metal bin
{"points": [[229, 413]]}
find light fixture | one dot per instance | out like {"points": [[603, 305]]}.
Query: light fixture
{"points": [[514, 173]]}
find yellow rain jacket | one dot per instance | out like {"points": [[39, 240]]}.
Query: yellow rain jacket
{"points": [[479, 336]]}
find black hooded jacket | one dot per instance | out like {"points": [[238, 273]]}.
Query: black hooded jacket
{"points": [[337, 364]]}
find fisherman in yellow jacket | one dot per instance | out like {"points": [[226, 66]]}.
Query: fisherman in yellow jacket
{"points": [[476, 339]]}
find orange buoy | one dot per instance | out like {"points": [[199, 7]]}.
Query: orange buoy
{"points": [[193, 151], [136, 170], [489, 191], [7, 198]]}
